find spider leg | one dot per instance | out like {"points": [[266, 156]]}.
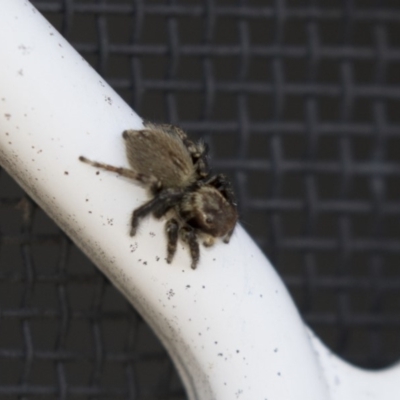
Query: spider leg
{"points": [[209, 241], [200, 159], [228, 236], [172, 229], [222, 184], [169, 197], [141, 212], [148, 181], [188, 235], [159, 205], [127, 173]]}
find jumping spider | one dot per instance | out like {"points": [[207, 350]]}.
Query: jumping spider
{"points": [[175, 171]]}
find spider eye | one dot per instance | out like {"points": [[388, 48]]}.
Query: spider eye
{"points": [[209, 220]]}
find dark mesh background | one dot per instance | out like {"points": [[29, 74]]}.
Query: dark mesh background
{"points": [[300, 104]]}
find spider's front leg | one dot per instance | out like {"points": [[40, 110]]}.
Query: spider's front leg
{"points": [[189, 236], [172, 230], [223, 185], [159, 205]]}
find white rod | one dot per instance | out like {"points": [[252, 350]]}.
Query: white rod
{"points": [[230, 326]]}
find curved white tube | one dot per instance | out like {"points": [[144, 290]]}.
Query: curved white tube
{"points": [[230, 326]]}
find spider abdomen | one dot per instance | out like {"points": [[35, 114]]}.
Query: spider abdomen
{"points": [[160, 155]]}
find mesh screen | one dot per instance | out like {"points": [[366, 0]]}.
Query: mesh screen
{"points": [[299, 102]]}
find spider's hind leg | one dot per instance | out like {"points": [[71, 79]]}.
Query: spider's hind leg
{"points": [[146, 180], [200, 159], [127, 173]]}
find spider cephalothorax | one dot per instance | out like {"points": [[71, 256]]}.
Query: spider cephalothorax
{"points": [[175, 171]]}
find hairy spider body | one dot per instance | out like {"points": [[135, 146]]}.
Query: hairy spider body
{"points": [[175, 171]]}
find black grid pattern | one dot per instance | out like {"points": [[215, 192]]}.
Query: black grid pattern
{"points": [[299, 102]]}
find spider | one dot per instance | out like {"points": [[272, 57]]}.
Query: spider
{"points": [[175, 171]]}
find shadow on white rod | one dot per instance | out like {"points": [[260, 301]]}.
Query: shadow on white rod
{"points": [[230, 326]]}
